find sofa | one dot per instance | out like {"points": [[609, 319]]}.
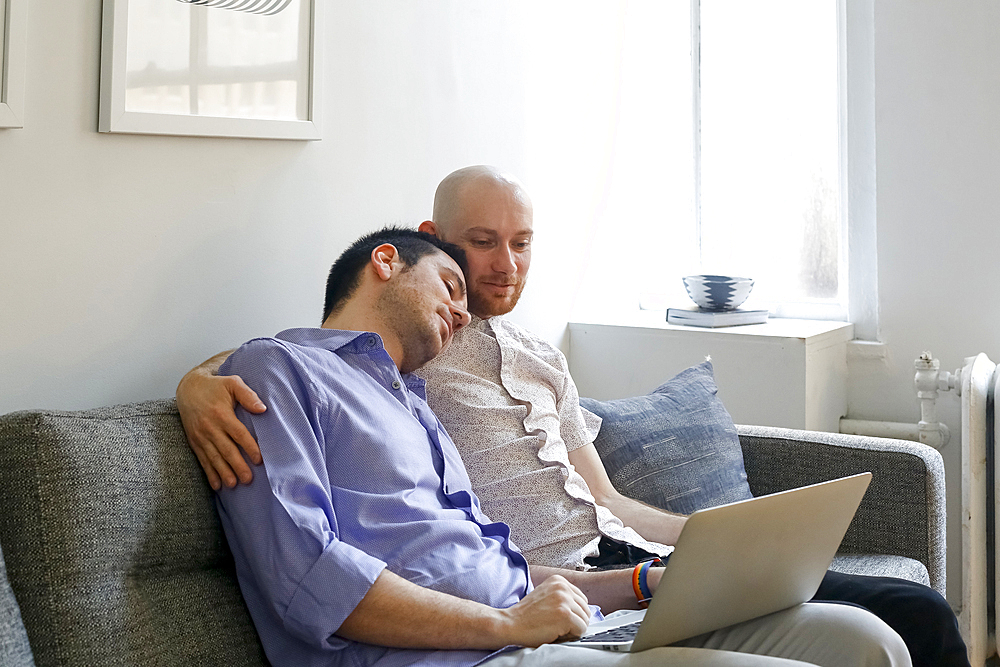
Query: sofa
{"points": [[115, 555]]}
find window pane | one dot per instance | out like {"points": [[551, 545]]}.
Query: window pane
{"points": [[770, 189], [215, 61]]}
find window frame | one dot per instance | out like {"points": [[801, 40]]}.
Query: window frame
{"points": [[113, 116]]}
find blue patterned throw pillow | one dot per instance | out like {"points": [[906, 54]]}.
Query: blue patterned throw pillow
{"points": [[675, 448]]}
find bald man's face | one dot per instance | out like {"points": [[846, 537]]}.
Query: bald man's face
{"points": [[493, 225]]}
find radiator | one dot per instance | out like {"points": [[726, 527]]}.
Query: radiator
{"points": [[976, 382], [977, 618]]}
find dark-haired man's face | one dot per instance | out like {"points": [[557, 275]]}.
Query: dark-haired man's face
{"points": [[425, 305]]}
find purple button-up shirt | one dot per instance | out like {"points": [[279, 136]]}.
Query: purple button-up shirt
{"points": [[358, 475]]}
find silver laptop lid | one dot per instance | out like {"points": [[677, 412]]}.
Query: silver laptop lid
{"points": [[746, 559]]}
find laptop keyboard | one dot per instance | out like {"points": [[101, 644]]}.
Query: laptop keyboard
{"points": [[623, 633]]}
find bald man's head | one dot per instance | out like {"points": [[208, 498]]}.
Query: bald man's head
{"points": [[453, 195], [488, 214]]}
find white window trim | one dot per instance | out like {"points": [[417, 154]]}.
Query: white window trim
{"points": [[857, 49]]}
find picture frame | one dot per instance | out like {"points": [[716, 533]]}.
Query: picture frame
{"points": [[13, 44], [203, 68]]}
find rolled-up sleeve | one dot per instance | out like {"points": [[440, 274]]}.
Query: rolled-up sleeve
{"points": [[282, 527]]}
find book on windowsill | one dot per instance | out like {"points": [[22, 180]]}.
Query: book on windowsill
{"points": [[696, 317]]}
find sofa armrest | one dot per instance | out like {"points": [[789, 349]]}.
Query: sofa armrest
{"points": [[903, 512]]}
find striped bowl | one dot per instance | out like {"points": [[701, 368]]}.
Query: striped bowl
{"points": [[718, 292]]}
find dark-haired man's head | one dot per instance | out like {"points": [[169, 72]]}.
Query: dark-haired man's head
{"points": [[405, 285], [489, 215], [412, 245]]}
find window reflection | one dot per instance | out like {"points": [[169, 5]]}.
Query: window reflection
{"points": [[188, 59], [252, 6]]}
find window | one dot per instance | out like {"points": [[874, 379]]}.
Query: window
{"points": [[770, 140], [724, 153]]}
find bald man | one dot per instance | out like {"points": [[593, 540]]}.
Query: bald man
{"points": [[507, 397]]}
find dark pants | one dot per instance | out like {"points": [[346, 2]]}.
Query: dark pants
{"points": [[917, 613]]}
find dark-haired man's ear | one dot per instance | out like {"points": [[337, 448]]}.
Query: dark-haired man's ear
{"points": [[385, 259], [429, 227]]}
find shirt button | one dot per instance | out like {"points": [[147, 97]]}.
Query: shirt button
{"points": [[371, 342], [396, 384]]}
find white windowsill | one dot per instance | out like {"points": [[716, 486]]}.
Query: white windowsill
{"points": [[812, 331]]}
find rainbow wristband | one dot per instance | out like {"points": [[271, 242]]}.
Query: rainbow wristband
{"points": [[639, 585], [635, 583]]}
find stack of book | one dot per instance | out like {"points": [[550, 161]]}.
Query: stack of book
{"points": [[697, 317]]}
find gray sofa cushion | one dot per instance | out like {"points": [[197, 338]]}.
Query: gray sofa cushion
{"points": [[674, 448], [14, 648], [112, 542], [882, 566]]}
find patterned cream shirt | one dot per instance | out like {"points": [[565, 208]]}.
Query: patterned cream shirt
{"points": [[507, 400]]}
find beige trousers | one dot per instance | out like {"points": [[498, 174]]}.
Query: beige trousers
{"points": [[814, 633]]}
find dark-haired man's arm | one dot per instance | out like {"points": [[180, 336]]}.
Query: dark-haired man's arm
{"points": [[400, 614], [206, 403]]}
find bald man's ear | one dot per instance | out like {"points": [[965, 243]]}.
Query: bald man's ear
{"points": [[385, 260], [429, 227]]}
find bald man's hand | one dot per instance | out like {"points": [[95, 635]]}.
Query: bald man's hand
{"points": [[206, 403]]}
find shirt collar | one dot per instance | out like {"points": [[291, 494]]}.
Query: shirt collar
{"points": [[485, 325], [336, 340], [328, 339]]}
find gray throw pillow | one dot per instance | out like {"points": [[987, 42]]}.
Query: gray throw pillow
{"points": [[675, 448], [14, 648]]}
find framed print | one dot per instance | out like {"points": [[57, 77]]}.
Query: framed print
{"points": [[219, 68], [12, 48]]}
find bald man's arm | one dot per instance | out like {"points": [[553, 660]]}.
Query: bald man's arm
{"points": [[650, 522]]}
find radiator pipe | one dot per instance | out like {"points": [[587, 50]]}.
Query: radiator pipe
{"points": [[928, 381], [880, 429]]}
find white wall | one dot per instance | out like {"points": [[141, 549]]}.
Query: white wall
{"points": [[937, 105], [937, 71], [126, 259]]}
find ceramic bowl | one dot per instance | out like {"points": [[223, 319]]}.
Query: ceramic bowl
{"points": [[718, 292]]}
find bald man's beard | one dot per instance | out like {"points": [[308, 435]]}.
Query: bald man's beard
{"points": [[484, 305]]}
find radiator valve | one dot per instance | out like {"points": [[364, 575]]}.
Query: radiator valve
{"points": [[929, 379]]}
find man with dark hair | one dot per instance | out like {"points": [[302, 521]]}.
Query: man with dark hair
{"points": [[360, 541]]}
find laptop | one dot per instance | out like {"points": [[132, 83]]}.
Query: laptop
{"points": [[737, 562]]}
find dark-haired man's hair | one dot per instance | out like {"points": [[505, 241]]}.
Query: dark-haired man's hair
{"points": [[345, 274]]}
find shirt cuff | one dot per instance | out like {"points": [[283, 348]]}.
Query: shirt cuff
{"points": [[330, 591]]}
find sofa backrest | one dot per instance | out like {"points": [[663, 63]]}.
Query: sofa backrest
{"points": [[112, 543]]}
